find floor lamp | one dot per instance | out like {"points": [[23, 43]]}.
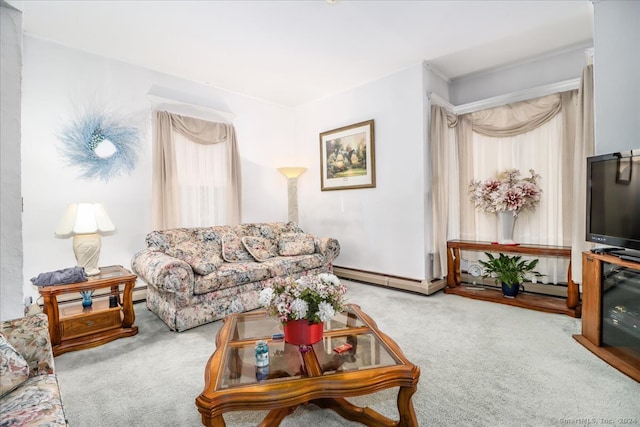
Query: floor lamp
{"points": [[292, 174]]}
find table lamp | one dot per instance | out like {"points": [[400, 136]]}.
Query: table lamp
{"points": [[292, 174], [85, 222]]}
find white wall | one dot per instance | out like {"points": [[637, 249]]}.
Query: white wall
{"points": [[617, 75], [529, 74], [380, 229], [11, 206], [58, 79]]}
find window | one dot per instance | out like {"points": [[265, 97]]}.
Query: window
{"points": [[196, 173], [202, 182]]}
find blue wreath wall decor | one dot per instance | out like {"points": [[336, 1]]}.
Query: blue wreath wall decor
{"points": [[101, 145]]}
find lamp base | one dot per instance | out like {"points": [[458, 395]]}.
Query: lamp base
{"points": [[86, 247], [292, 196]]}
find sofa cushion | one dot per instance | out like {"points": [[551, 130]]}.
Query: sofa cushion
{"points": [[286, 266], [29, 335], [233, 250], [292, 244], [14, 369], [260, 248], [231, 274], [35, 403], [194, 252], [161, 240]]}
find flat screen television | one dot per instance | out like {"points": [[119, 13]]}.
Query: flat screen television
{"points": [[613, 201]]}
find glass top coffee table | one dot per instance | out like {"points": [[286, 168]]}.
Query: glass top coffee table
{"points": [[305, 374]]}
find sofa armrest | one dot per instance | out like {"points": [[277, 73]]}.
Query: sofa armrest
{"points": [[328, 247], [29, 335], [163, 272]]}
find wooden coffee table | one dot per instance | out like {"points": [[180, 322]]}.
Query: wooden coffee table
{"points": [[302, 375]]}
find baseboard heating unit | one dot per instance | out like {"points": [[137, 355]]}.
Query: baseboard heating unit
{"points": [[426, 287]]}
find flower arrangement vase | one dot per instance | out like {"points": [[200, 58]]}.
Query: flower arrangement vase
{"points": [[506, 224], [303, 332]]}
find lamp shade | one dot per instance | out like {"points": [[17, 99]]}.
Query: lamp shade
{"points": [[292, 172], [84, 218]]}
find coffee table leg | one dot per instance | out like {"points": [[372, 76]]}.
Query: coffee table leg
{"points": [[405, 407], [349, 411], [216, 421], [275, 416]]}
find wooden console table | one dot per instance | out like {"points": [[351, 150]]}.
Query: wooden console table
{"points": [[74, 327], [571, 306]]}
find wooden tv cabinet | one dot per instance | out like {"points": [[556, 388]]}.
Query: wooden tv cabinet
{"points": [[570, 306], [624, 358]]}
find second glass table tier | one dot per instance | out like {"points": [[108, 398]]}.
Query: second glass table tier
{"points": [[286, 360]]}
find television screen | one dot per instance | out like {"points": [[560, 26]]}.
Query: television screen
{"points": [[613, 199]]}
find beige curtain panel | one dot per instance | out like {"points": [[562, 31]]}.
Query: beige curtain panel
{"points": [[441, 121], [585, 147], [165, 198]]}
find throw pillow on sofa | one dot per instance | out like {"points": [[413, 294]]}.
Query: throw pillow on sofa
{"points": [[202, 261], [292, 244], [260, 248], [233, 250], [14, 370]]}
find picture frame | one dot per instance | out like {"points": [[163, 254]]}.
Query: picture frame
{"points": [[625, 165], [347, 157]]}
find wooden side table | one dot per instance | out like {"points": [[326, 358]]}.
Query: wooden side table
{"points": [[75, 327], [571, 307]]}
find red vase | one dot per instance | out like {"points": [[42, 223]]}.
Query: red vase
{"points": [[302, 332]]}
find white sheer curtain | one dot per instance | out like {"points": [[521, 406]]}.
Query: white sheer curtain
{"points": [[202, 182], [541, 150]]}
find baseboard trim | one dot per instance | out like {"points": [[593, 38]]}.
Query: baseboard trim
{"points": [[425, 287], [139, 294]]}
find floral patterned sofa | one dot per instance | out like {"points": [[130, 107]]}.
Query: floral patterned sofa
{"points": [[29, 392], [198, 275]]}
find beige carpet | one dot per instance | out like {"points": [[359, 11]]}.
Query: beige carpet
{"points": [[482, 364]]}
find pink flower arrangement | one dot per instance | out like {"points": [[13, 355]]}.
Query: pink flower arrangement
{"points": [[507, 192]]}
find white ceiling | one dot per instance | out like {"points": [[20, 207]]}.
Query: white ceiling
{"points": [[293, 52]]}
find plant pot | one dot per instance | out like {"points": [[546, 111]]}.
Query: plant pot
{"points": [[303, 332], [511, 291]]}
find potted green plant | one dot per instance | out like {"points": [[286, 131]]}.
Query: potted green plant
{"points": [[510, 271]]}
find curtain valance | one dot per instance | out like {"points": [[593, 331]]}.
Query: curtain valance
{"points": [[199, 131], [517, 118]]}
